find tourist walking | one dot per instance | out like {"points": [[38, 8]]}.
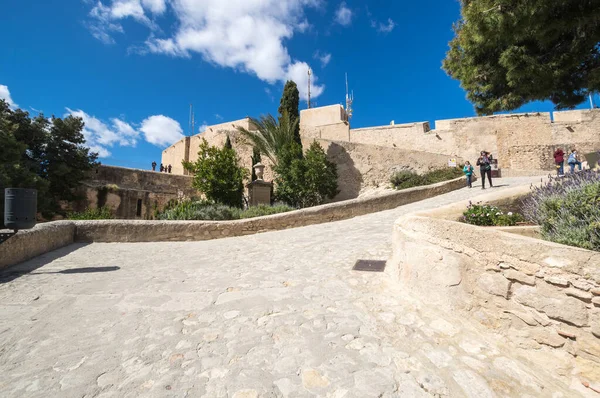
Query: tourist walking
{"points": [[169, 169], [559, 160], [573, 161], [468, 170], [153, 166], [485, 167], [162, 168]]}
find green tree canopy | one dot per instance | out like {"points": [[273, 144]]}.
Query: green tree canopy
{"points": [[290, 101], [46, 154], [305, 181], [507, 53], [218, 175], [271, 136]]}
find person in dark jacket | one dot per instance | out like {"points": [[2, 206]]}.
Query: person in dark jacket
{"points": [[153, 166], [485, 167], [169, 169], [559, 160]]}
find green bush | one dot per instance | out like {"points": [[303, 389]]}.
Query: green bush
{"points": [[218, 175], [102, 213], [206, 210], [407, 179], [487, 215], [305, 181], [264, 210], [573, 219]]}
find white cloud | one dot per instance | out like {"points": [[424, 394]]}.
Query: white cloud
{"points": [[157, 7], [323, 57], [5, 95], [343, 15], [203, 127], [161, 130], [246, 35], [218, 117], [384, 27], [99, 135]]}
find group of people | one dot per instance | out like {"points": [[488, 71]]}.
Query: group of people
{"points": [[485, 168], [573, 160], [163, 169], [485, 165]]}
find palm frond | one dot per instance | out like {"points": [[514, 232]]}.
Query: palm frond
{"points": [[271, 135]]}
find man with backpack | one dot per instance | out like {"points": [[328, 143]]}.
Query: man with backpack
{"points": [[485, 167]]}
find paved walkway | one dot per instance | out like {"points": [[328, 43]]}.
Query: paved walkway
{"points": [[278, 314]]}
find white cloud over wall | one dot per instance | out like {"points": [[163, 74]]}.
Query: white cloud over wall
{"points": [[101, 136], [5, 95], [161, 130], [246, 35]]}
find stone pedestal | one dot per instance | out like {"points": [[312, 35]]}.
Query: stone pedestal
{"points": [[259, 193]]}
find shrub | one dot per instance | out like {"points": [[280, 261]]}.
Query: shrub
{"points": [[305, 181], [407, 179], [101, 213], [206, 210], [487, 215], [218, 175], [264, 210], [567, 209]]}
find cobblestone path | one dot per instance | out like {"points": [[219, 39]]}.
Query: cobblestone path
{"points": [[278, 314]]}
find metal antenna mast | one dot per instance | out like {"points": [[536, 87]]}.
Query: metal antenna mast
{"points": [[349, 100], [309, 73], [191, 121]]}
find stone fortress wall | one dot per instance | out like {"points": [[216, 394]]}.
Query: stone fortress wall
{"points": [[132, 193], [366, 157]]}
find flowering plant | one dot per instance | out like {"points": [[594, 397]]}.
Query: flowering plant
{"points": [[567, 209], [487, 215]]}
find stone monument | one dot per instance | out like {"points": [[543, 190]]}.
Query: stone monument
{"points": [[259, 191]]}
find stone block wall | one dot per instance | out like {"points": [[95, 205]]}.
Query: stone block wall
{"points": [[535, 293], [133, 193], [523, 143]]}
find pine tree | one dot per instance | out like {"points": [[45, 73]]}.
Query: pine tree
{"points": [[510, 52], [290, 100]]}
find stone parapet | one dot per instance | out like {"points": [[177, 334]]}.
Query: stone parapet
{"points": [[31, 243], [53, 235], [159, 231], [534, 292]]}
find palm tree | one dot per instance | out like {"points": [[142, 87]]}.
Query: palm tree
{"points": [[271, 136]]}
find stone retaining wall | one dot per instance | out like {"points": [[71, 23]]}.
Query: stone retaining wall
{"points": [[156, 231], [53, 235], [34, 242], [536, 293]]}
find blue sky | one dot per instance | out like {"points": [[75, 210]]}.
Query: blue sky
{"points": [[131, 68]]}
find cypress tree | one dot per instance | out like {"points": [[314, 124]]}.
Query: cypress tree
{"points": [[290, 100], [228, 143]]}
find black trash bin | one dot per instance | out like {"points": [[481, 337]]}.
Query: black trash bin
{"points": [[20, 208]]}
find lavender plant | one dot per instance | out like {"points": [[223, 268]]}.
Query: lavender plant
{"points": [[567, 209]]}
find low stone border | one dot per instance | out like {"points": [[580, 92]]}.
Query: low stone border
{"points": [[52, 235], [34, 242], [536, 293]]}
